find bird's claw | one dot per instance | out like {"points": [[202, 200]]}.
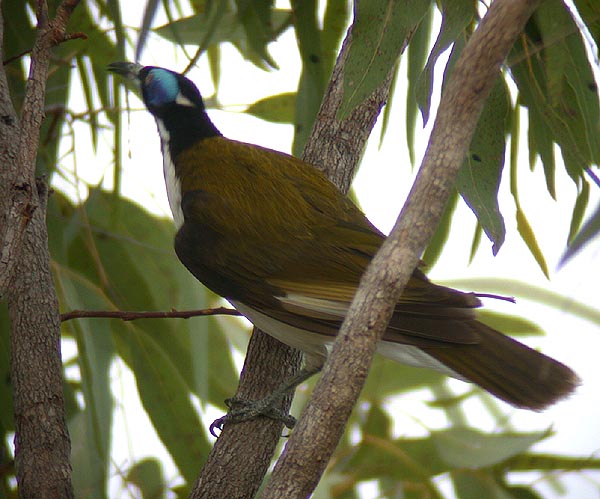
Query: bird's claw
{"points": [[244, 410]]}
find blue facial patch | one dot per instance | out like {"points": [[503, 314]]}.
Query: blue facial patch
{"points": [[162, 87]]}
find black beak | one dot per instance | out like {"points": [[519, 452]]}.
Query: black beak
{"points": [[129, 70]]}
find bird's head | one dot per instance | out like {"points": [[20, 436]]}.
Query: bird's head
{"points": [[163, 90], [173, 100]]}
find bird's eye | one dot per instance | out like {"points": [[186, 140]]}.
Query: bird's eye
{"points": [[160, 87]]}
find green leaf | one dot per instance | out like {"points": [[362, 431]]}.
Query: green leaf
{"points": [[192, 29], [275, 108], [388, 377], [335, 22], [380, 33], [441, 234], [91, 427], [479, 178], [378, 423], [417, 57], [528, 236], [556, 83], [579, 210], [255, 16], [220, 24], [590, 14], [589, 231], [509, 324], [456, 16], [469, 448], [523, 227], [128, 263], [413, 459], [148, 476], [164, 396], [312, 79], [470, 484]]}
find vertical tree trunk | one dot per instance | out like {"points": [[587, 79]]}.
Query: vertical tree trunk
{"points": [[42, 444]]}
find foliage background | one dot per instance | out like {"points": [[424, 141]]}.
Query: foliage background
{"points": [[110, 253]]}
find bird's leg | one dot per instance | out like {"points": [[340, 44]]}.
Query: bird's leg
{"points": [[244, 410]]}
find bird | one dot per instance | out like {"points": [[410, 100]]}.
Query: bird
{"points": [[272, 235]]}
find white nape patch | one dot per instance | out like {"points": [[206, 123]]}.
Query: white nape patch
{"points": [[183, 100], [171, 180]]}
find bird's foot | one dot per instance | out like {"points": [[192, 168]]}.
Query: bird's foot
{"points": [[244, 410]]}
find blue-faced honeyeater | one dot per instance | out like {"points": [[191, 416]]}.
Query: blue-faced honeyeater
{"points": [[276, 238]]}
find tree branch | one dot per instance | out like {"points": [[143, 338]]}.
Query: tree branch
{"points": [[130, 315], [297, 472], [335, 147], [42, 446]]}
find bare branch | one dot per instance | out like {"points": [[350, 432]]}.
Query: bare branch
{"points": [[134, 315], [323, 421]]}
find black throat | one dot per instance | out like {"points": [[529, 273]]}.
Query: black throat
{"points": [[186, 126]]}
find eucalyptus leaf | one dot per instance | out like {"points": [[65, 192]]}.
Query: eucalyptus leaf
{"points": [[418, 48], [469, 484], [479, 178], [588, 232], [278, 108], [312, 79], [469, 448], [456, 16], [148, 476], [380, 33]]}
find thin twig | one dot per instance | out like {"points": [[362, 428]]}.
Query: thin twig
{"points": [[132, 315]]}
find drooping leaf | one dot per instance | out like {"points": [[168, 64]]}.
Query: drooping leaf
{"points": [[479, 178], [581, 204], [149, 12], [456, 16], [441, 234], [523, 227], [335, 22], [255, 17], [527, 234], [312, 79], [418, 49], [556, 84], [588, 232]]}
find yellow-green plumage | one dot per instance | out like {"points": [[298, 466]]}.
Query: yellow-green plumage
{"points": [[271, 234]]}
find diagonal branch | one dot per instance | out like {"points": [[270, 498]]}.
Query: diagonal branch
{"points": [[323, 421]]}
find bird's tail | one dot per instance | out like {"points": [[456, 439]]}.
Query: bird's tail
{"points": [[511, 371]]}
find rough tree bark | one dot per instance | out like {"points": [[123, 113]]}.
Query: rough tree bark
{"points": [[335, 147], [42, 446], [318, 432]]}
